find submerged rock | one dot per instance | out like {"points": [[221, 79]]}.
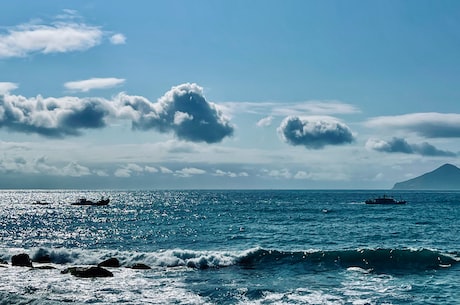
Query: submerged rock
{"points": [[22, 260], [111, 262], [88, 272], [140, 266]]}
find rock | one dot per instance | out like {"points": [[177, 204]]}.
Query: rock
{"points": [[88, 272], [111, 262], [3, 262], [45, 267], [22, 260], [140, 266]]}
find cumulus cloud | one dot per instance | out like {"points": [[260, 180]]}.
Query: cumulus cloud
{"points": [[128, 170], [429, 125], [182, 111], [118, 39], [399, 145], [94, 83], [60, 36], [52, 117], [6, 87], [221, 173], [189, 171], [74, 169], [314, 132]]}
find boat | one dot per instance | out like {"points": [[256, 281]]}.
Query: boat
{"points": [[38, 202], [384, 200], [84, 201]]}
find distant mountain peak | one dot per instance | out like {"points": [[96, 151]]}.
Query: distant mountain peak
{"points": [[447, 166], [445, 177]]}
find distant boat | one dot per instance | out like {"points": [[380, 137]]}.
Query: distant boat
{"points": [[38, 202], [384, 200], [84, 201]]}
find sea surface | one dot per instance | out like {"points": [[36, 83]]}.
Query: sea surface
{"points": [[233, 247]]}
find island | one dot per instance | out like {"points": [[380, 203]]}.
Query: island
{"points": [[445, 177]]}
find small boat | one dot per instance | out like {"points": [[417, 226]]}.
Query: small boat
{"points": [[384, 200], [38, 202], [84, 201]]}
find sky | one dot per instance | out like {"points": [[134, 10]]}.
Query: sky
{"points": [[227, 94]]}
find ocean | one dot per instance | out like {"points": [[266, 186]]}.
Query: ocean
{"points": [[233, 247]]}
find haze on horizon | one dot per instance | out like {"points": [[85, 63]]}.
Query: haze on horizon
{"points": [[240, 94]]}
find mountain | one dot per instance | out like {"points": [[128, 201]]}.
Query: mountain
{"points": [[446, 177]]}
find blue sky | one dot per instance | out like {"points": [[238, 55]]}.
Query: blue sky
{"points": [[227, 94]]}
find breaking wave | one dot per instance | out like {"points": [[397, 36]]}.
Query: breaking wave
{"points": [[378, 260]]}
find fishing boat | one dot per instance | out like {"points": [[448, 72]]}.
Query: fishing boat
{"points": [[384, 200], [84, 201]]}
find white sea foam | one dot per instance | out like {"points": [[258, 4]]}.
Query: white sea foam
{"points": [[25, 285]]}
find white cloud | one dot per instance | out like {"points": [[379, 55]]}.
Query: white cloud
{"points": [[429, 124], [94, 83], [265, 122], [165, 170], [59, 36], [315, 108], [101, 173], [6, 87], [189, 171], [74, 169], [122, 173], [150, 169], [182, 111], [222, 173], [302, 175], [180, 117], [118, 39], [286, 109], [128, 170], [278, 173], [52, 117]]}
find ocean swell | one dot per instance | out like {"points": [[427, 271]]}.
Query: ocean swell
{"points": [[377, 260]]}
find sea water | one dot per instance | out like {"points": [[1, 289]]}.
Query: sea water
{"points": [[233, 247]]}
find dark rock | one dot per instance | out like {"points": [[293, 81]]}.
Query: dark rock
{"points": [[111, 262], [68, 270], [88, 272], [22, 260], [44, 267], [3, 262], [140, 266]]}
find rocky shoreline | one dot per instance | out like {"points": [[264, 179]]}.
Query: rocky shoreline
{"points": [[99, 270]]}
